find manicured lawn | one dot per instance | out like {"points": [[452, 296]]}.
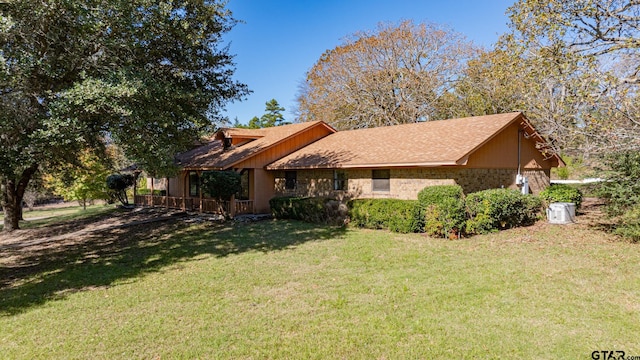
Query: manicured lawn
{"points": [[284, 289], [45, 215]]}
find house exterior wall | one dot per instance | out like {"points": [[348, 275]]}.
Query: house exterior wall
{"points": [[263, 181], [405, 183], [501, 152]]}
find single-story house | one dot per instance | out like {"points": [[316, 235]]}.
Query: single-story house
{"points": [[313, 159]]}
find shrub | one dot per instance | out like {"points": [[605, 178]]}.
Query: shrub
{"points": [[444, 210], [629, 225], [314, 210], [561, 193], [495, 209], [402, 216], [221, 184], [118, 185], [622, 190]]}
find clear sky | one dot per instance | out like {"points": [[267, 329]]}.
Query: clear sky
{"points": [[279, 40]]}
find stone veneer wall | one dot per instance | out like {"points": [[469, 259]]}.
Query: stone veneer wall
{"points": [[406, 183]]}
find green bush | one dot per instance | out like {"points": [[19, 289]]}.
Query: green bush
{"points": [[561, 193], [496, 209], [444, 210], [622, 188], [629, 225], [313, 210], [403, 216], [221, 184]]}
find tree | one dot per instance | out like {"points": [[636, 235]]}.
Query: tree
{"points": [[272, 117], [601, 38], [83, 183], [151, 76], [392, 76], [118, 185]]}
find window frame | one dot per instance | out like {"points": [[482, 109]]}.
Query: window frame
{"points": [[193, 186], [340, 180], [381, 180], [290, 180]]}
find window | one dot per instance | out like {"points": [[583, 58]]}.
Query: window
{"points": [[340, 180], [290, 180], [194, 184], [244, 185], [380, 180]]}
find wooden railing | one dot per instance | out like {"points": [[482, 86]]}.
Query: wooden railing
{"points": [[193, 204], [243, 207]]}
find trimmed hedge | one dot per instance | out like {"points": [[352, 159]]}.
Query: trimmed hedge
{"points": [[314, 210], [561, 193], [403, 216], [444, 210], [496, 209], [440, 210]]}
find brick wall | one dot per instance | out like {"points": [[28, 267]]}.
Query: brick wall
{"points": [[406, 183]]}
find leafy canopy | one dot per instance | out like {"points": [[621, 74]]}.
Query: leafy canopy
{"points": [[148, 75]]}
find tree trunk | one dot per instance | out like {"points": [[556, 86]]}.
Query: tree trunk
{"points": [[11, 199]]}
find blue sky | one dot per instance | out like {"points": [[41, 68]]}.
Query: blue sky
{"points": [[279, 40]]}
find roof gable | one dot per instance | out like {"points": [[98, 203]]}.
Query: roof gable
{"points": [[213, 155]]}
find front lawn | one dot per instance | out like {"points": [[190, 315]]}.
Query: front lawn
{"points": [[286, 289]]}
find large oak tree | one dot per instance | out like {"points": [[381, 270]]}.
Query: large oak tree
{"points": [[396, 74], [149, 75]]}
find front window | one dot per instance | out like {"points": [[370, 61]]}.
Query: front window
{"points": [[380, 180], [244, 185], [340, 180], [194, 184], [290, 180]]}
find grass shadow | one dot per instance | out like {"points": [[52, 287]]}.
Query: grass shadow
{"points": [[34, 275]]}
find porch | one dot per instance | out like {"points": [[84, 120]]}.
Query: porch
{"points": [[228, 208]]}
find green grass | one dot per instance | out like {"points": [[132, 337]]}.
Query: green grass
{"points": [[51, 215], [286, 289]]}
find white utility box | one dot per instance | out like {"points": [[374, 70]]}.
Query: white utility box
{"points": [[561, 213]]}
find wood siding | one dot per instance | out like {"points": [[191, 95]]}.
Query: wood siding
{"points": [[284, 148], [501, 152]]}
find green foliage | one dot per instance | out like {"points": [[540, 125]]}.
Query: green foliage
{"points": [[83, 183], [403, 216], [444, 210], [221, 184], [309, 209], [496, 209], [118, 185], [574, 168], [153, 75], [622, 188], [629, 225], [272, 117], [148, 192], [561, 193]]}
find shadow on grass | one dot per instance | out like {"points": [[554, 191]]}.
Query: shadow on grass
{"points": [[32, 276]]}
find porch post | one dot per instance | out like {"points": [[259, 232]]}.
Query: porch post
{"points": [[151, 191], [200, 189], [167, 192], [185, 176], [232, 206]]}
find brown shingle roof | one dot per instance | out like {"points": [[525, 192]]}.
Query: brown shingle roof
{"points": [[433, 143], [212, 155]]}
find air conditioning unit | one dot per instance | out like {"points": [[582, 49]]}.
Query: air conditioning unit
{"points": [[561, 213]]}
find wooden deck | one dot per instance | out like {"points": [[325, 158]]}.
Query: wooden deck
{"points": [[227, 208]]}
